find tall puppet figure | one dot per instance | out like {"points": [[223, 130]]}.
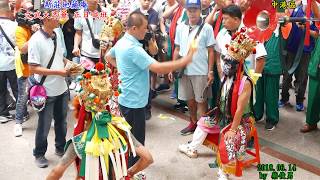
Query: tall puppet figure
{"points": [[234, 114]]}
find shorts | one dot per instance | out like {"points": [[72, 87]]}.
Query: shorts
{"points": [[194, 87]]}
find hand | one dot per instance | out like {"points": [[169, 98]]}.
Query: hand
{"points": [[105, 44], [210, 78], [170, 77], [35, 27], [64, 72], [229, 136], [301, 26], [152, 47], [76, 51]]}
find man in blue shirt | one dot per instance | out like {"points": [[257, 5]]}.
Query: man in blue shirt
{"points": [[300, 73], [133, 64]]}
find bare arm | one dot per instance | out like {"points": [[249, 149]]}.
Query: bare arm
{"points": [[210, 18], [162, 27], [210, 64], [45, 71], [111, 60], [77, 41], [241, 105], [260, 65], [169, 11], [167, 67], [144, 161], [218, 61]]}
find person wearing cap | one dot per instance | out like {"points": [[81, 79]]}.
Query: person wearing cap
{"points": [[198, 76], [40, 51]]}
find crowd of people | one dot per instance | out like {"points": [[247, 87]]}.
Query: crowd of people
{"points": [[193, 44]]}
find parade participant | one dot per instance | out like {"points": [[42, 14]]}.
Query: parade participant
{"points": [[234, 111], [198, 76], [7, 67], [43, 47], [232, 18], [133, 64], [313, 113], [267, 88], [301, 73], [99, 133]]}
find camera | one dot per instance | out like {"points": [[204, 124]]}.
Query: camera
{"points": [[148, 36]]}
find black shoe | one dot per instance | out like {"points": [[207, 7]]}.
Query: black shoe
{"points": [[270, 126], [163, 88], [148, 115], [42, 162]]}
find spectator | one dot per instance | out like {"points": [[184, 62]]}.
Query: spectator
{"points": [[23, 34], [194, 83], [40, 50], [89, 54], [301, 73], [7, 66], [133, 64]]}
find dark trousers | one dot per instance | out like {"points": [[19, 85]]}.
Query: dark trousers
{"points": [[136, 117], [56, 108], [301, 75], [12, 78]]}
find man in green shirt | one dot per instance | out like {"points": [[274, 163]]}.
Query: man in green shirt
{"points": [[313, 110]]}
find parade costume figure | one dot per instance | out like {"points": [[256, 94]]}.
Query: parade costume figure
{"points": [[233, 115]]}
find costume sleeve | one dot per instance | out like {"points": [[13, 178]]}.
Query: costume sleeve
{"points": [[141, 58]]}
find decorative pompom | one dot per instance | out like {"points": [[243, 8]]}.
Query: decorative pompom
{"points": [[227, 46], [87, 75], [254, 51], [96, 100], [116, 93], [100, 66], [243, 29]]}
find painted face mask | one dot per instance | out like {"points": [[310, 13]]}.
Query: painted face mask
{"points": [[230, 66]]}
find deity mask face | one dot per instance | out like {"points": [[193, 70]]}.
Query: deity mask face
{"points": [[230, 66]]}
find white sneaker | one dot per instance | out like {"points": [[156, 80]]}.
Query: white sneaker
{"points": [[140, 176], [222, 175], [72, 86], [184, 148], [17, 130]]}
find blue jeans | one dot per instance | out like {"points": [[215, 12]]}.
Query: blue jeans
{"points": [[21, 107], [56, 108]]}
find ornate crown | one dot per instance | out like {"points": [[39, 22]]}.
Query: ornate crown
{"points": [[97, 87], [241, 46]]}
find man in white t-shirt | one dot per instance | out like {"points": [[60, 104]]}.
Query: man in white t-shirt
{"points": [[232, 22], [83, 37], [7, 66], [40, 50]]}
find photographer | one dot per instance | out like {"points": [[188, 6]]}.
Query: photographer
{"points": [[150, 45], [23, 34]]}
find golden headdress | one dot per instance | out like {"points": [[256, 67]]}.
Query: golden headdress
{"points": [[241, 46]]}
